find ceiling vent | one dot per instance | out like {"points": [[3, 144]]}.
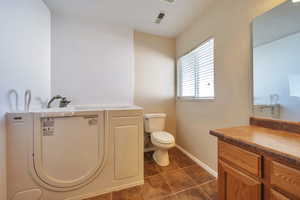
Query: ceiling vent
{"points": [[160, 17], [169, 1]]}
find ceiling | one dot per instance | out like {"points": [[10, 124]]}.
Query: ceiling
{"points": [[138, 14], [277, 23]]}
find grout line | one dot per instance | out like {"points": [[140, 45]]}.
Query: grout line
{"points": [[148, 161], [171, 170], [161, 173], [205, 171], [205, 191], [174, 170], [180, 191], [152, 175], [207, 182], [194, 186]]}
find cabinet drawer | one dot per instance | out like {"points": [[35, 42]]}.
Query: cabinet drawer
{"points": [[285, 178], [246, 160], [277, 196]]}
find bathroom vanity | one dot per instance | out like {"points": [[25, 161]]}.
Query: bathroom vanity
{"points": [[260, 161], [74, 153]]}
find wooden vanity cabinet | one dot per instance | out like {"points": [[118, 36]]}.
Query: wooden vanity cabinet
{"points": [[244, 175], [277, 196], [285, 178]]}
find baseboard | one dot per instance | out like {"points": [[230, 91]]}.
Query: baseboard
{"points": [[199, 162], [108, 190]]}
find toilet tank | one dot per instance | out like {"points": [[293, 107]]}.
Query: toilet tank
{"points": [[154, 122]]}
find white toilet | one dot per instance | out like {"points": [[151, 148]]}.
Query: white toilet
{"points": [[154, 125]]}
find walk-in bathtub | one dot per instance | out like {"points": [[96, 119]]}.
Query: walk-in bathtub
{"points": [[74, 153]]}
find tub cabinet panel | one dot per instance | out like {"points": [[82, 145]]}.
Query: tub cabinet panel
{"points": [[126, 148], [126, 129]]}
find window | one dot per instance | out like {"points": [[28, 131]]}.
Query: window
{"points": [[196, 73]]}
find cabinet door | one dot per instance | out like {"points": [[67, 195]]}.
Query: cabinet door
{"points": [[235, 185], [285, 178], [277, 196], [127, 133]]}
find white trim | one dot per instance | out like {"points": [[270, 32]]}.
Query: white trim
{"points": [[195, 98], [105, 191], [199, 162]]}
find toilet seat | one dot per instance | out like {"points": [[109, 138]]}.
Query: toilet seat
{"points": [[162, 137]]}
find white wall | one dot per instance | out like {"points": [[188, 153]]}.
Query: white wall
{"points": [[281, 22], [273, 64], [92, 62], [155, 76], [229, 21], [24, 59]]}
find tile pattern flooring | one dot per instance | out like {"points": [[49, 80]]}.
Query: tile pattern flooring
{"points": [[181, 180]]}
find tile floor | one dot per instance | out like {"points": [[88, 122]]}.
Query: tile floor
{"points": [[181, 180]]}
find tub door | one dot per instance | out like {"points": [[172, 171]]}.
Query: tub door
{"points": [[69, 151]]}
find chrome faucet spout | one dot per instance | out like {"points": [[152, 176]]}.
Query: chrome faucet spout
{"points": [[52, 99], [64, 102]]}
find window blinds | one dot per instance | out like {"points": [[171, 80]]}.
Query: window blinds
{"points": [[196, 72]]}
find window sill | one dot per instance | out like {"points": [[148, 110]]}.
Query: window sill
{"points": [[195, 99]]}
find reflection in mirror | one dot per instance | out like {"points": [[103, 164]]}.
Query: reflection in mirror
{"points": [[276, 63]]}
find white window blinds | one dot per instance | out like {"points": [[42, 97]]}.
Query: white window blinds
{"points": [[196, 72]]}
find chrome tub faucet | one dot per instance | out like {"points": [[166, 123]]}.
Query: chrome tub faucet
{"points": [[63, 101]]}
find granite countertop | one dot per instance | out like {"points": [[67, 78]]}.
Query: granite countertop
{"points": [[280, 144]]}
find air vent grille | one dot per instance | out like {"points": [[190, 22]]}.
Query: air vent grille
{"points": [[160, 17], [169, 1]]}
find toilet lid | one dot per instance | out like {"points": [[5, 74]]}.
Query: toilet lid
{"points": [[163, 137]]}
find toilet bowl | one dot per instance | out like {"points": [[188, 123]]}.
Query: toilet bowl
{"points": [[163, 141]]}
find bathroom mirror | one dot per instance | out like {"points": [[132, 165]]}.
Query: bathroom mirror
{"points": [[276, 63]]}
